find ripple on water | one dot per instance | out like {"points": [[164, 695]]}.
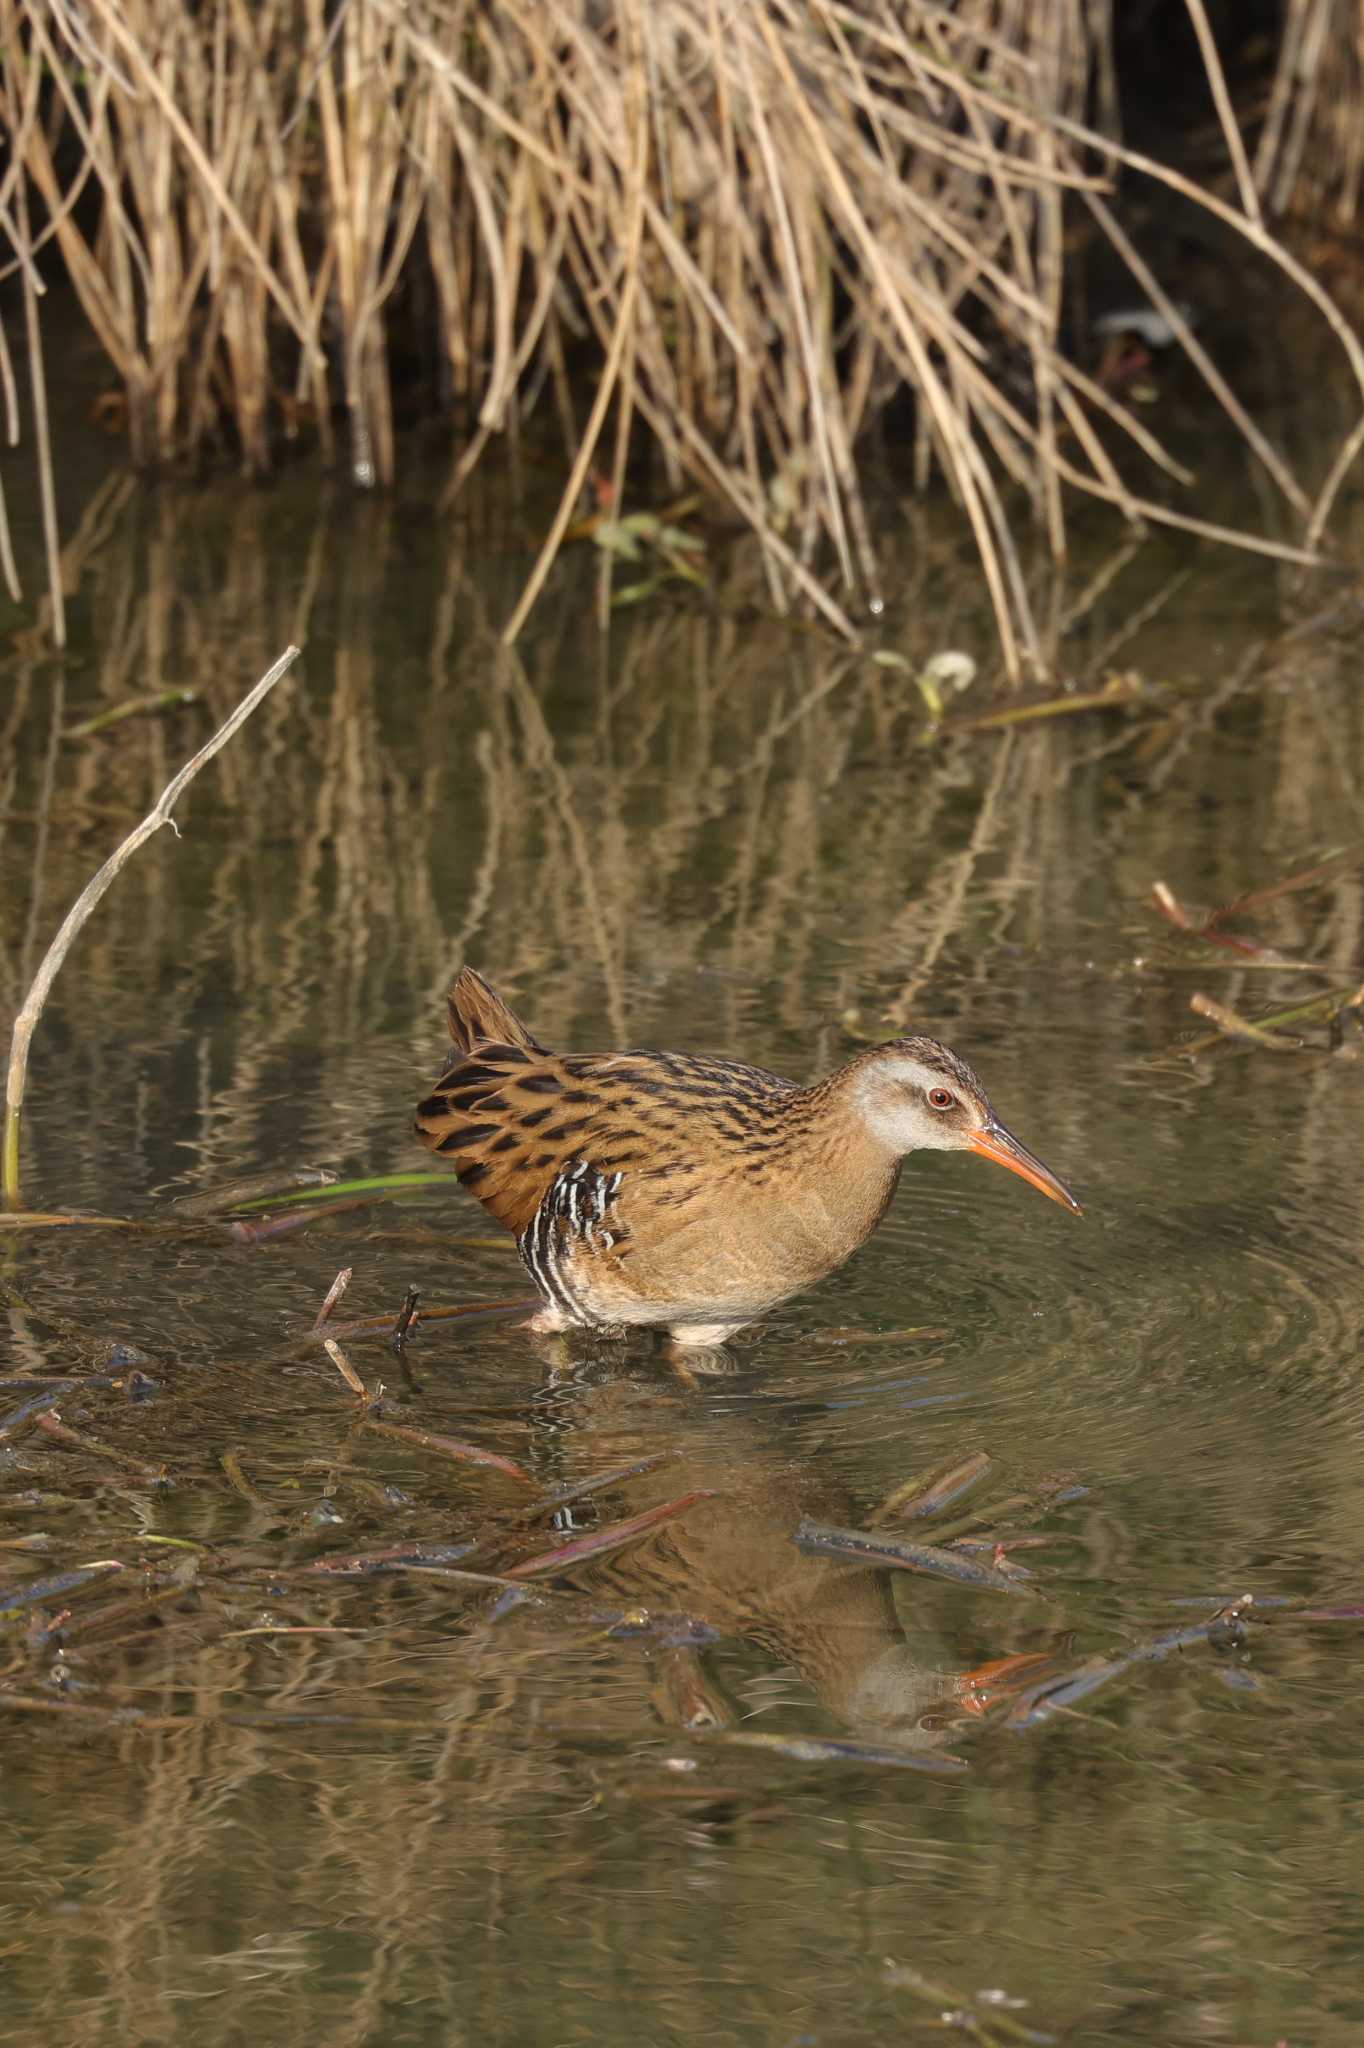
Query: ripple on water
{"points": [[1195, 1361]]}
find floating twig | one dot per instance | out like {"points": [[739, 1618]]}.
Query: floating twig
{"points": [[272, 1227], [1056, 1694], [1234, 1025], [471, 1311], [15, 1597], [1308, 878], [1316, 1010], [77, 1440], [361, 1563], [824, 1749], [979, 2016], [34, 1002], [32, 1382], [914, 1333], [1206, 927], [917, 1499], [1114, 696], [458, 1575], [281, 1628], [54, 1219], [407, 1315], [334, 1294], [28, 1411], [579, 1489], [449, 1447], [115, 1611], [345, 1368], [612, 1537], [1170, 907], [253, 1187], [1020, 1509], [857, 1546]]}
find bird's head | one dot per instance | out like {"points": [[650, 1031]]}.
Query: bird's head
{"points": [[917, 1095]]}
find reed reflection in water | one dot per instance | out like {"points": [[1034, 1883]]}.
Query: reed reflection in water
{"points": [[719, 832]]}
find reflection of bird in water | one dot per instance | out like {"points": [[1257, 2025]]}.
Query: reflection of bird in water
{"points": [[666, 1188], [734, 1558], [731, 1562]]}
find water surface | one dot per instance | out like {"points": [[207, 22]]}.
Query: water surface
{"points": [[397, 1809]]}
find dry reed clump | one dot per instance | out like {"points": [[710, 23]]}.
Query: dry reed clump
{"points": [[754, 226]]}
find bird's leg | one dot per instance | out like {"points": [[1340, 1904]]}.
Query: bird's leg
{"points": [[547, 1320], [699, 1348], [702, 1336]]}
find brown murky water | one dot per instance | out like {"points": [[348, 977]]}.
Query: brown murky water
{"points": [[245, 1800]]}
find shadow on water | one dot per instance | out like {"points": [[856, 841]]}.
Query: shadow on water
{"points": [[409, 1806]]}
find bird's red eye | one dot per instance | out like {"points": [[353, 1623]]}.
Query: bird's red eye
{"points": [[942, 1098]]}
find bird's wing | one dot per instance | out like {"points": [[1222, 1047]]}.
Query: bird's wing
{"points": [[511, 1119]]}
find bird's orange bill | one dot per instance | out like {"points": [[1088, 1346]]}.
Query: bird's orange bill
{"points": [[994, 1142]]}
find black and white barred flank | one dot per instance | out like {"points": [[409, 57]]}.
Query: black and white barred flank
{"points": [[571, 1217]]}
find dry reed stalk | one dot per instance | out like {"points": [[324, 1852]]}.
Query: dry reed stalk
{"points": [[766, 223], [17, 226], [1311, 151]]}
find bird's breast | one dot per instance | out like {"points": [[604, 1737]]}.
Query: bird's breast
{"points": [[749, 1239]]}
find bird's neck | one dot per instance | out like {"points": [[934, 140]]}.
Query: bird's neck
{"points": [[833, 1113], [845, 1170]]}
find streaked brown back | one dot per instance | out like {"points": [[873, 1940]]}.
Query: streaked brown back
{"points": [[510, 1116]]}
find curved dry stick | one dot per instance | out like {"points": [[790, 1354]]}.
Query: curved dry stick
{"points": [[160, 814], [1326, 496], [1231, 133]]}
